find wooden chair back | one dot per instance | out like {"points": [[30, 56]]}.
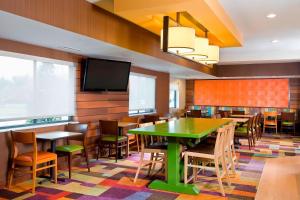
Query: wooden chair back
{"points": [[108, 127], [219, 145], [224, 113], [238, 112], [78, 128], [288, 117], [145, 139], [196, 113], [131, 119], [270, 118], [250, 125], [150, 118], [27, 138]]}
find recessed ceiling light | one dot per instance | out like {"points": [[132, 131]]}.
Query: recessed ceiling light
{"points": [[271, 15], [275, 41], [70, 48]]}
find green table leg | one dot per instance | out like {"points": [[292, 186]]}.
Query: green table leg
{"points": [[173, 183]]}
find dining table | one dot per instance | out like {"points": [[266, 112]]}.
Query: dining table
{"points": [[176, 131], [241, 116], [237, 120], [52, 137]]}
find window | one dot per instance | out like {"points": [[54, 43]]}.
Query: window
{"points": [[173, 99], [35, 90], [141, 94]]}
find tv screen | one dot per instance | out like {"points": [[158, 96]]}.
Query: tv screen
{"points": [[105, 75]]}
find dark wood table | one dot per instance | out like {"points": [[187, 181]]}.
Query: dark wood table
{"points": [[52, 137]]}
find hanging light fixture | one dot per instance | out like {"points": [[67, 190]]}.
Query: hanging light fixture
{"points": [[201, 49], [213, 55], [181, 39]]}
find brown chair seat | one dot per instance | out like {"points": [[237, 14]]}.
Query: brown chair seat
{"points": [[41, 157]]}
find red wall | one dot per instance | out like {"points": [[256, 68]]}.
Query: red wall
{"points": [[242, 93]]}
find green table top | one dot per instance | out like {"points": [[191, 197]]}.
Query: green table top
{"points": [[183, 128]]}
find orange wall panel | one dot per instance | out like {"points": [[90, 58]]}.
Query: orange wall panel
{"points": [[242, 93]]}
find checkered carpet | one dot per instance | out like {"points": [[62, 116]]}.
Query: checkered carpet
{"points": [[109, 180]]}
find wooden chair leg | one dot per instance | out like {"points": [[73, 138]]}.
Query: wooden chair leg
{"points": [[87, 159], [150, 166], [219, 177], [224, 167], [70, 165], [117, 149], [55, 171], [139, 167], [10, 176], [137, 142], [127, 149], [33, 179]]}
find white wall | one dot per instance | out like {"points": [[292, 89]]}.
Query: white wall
{"points": [[180, 84]]}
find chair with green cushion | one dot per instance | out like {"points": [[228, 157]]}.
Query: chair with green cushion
{"points": [[288, 121], [245, 132], [75, 149], [110, 138]]}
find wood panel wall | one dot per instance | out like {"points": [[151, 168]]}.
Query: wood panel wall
{"points": [[89, 106], [295, 93]]}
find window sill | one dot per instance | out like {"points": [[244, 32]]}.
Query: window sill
{"points": [[140, 114], [35, 126]]}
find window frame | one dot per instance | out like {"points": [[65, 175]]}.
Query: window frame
{"points": [[38, 121], [143, 110]]}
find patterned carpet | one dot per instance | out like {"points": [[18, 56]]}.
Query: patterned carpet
{"points": [[109, 180]]}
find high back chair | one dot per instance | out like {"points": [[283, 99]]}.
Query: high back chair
{"points": [[196, 114], [270, 121], [245, 132], [288, 121], [132, 138], [111, 139], [238, 112], [230, 154], [76, 149], [36, 160], [258, 126], [158, 152], [224, 113], [203, 153]]}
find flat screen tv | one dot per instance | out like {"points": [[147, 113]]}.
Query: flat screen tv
{"points": [[105, 75]]}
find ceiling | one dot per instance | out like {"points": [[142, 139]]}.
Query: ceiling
{"points": [[149, 15], [259, 31], [14, 27]]}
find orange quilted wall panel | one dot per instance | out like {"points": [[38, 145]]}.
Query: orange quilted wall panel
{"points": [[242, 93]]}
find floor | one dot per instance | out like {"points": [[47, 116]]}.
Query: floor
{"points": [[109, 180]]}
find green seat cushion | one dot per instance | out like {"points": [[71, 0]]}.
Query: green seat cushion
{"points": [[112, 138], [241, 131], [69, 148], [288, 123]]}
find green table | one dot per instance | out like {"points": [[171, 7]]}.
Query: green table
{"points": [[174, 130]]}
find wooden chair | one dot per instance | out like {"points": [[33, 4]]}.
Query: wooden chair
{"points": [[36, 160], [198, 156], [270, 121], [158, 153], [196, 114], [132, 138], [232, 156], [288, 121], [74, 149], [224, 113], [110, 138], [238, 112], [245, 132], [258, 126], [150, 118]]}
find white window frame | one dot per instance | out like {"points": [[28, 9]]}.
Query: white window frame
{"points": [[143, 110], [55, 119]]}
